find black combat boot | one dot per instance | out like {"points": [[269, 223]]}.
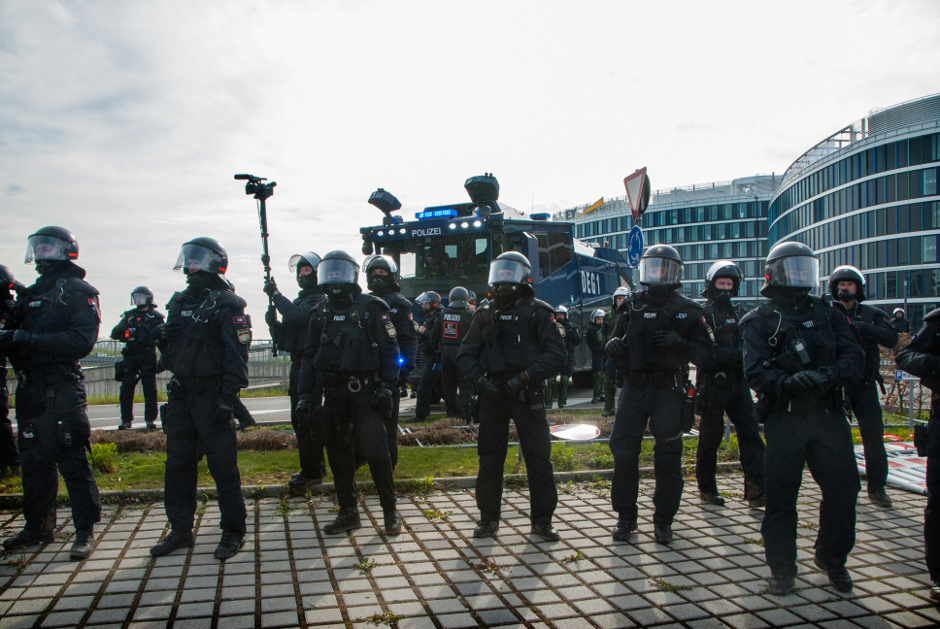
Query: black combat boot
{"points": [[711, 497], [176, 539], [623, 530], [758, 502], [125, 426], [881, 498], [838, 576], [84, 542], [392, 522], [935, 591], [230, 544], [346, 520], [486, 529], [779, 585], [302, 481], [27, 538], [547, 531], [663, 533]]}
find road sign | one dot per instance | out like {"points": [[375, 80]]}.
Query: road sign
{"points": [[638, 192], [903, 375], [634, 247]]}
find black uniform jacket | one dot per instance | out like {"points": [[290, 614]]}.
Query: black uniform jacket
{"points": [[291, 332], [136, 329], [375, 321], [426, 339], [64, 312], [922, 357], [764, 376], [399, 309], [874, 330], [547, 348]]}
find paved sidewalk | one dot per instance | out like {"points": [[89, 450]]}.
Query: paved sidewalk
{"points": [[436, 575]]}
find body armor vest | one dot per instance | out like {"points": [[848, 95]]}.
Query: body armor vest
{"points": [[291, 338], [138, 335], [50, 312], [346, 342], [725, 326], [455, 324], [801, 340], [508, 344], [199, 351], [866, 314], [643, 320]]}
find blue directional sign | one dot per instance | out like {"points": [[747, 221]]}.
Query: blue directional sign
{"points": [[634, 247]]}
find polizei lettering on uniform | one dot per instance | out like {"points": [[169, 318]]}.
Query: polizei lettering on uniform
{"points": [[451, 317], [430, 231]]}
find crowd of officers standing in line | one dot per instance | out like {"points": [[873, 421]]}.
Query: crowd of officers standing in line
{"points": [[808, 360]]}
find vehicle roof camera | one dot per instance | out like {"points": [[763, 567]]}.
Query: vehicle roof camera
{"points": [[484, 192], [385, 201]]}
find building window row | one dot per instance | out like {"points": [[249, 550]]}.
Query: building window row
{"points": [[699, 233], [878, 159], [904, 186], [677, 216]]}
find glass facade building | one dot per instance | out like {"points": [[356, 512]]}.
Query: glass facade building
{"points": [[705, 223], [867, 196]]}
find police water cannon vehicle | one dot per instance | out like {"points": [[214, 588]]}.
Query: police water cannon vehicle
{"points": [[453, 245]]}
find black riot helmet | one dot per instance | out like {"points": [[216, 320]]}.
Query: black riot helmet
{"points": [[338, 272], [6, 279], [459, 297], [51, 243], [790, 265], [847, 273], [381, 283], [511, 268], [721, 268], [141, 296], [202, 254], [429, 297], [661, 268], [300, 260]]}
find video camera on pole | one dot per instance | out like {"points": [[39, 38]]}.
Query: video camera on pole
{"points": [[262, 191]]}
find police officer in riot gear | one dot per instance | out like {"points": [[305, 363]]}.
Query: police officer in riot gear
{"points": [[596, 342], [136, 330], [658, 332], [382, 279], [430, 303], [205, 344], [722, 389], [569, 332], [513, 345], [54, 325], [847, 287], [922, 359], [610, 366], [9, 453], [351, 355], [798, 352], [900, 322], [449, 331], [290, 335]]}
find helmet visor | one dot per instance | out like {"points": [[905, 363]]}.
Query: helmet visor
{"points": [[795, 271], [195, 257], [662, 271], [507, 272], [337, 271], [301, 259], [140, 299], [46, 248], [379, 261]]}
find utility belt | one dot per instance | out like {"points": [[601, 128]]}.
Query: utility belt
{"points": [[660, 379], [721, 377], [192, 383], [50, 376], [337, 381], [805, 404]]}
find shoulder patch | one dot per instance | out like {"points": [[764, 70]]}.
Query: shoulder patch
{"points": [[93, 302], [244, 336], [390, 328], [561, 329], [239, 320], [384, 317]]}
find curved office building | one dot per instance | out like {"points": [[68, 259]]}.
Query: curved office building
{"points": [[867, 196]]}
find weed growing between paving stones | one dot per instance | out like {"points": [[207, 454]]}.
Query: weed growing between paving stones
{"points": [[489, 566], [664, 586], [365, 567], [415, 487], [388, 618], [573, 557], [434, 515], [754, 540]]}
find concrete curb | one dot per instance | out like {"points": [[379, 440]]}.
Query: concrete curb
{"points": [[14, 501]]}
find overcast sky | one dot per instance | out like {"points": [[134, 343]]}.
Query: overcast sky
{"points": [[125, 121]]}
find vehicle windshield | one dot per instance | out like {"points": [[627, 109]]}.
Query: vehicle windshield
{"points": [[441, 258]]}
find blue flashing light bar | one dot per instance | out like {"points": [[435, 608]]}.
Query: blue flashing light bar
{"points": [[423, 216], [542, 216]]}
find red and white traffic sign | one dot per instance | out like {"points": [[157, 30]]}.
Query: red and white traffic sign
{"points": [[638, 192]]}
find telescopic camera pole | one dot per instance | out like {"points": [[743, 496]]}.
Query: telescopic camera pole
{"points": [[262, 191]]}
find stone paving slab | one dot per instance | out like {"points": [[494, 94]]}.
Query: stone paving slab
{"points": [[435, 575]]}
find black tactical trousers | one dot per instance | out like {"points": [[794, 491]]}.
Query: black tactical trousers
{"points": [[492, 446], [867, 410], [309, 447], [357, 429], [145, 371], [456, 388], [734, 398], [932, 511], [817, 435], [660, 406], [47, 454], [9, 453], [391, 429], [426, 387], [192, 430]]}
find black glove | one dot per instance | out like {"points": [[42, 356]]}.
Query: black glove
{"points": [[224, 412], [382, 399], [488, 388], [18, 339], [516, 384], [668, 340], [616, 348], [172, 331], [270, 287], [270, 317], [403, 377], [804, 382], [304, 409]]}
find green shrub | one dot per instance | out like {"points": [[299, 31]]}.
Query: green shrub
{"points": [[102, 457]]}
